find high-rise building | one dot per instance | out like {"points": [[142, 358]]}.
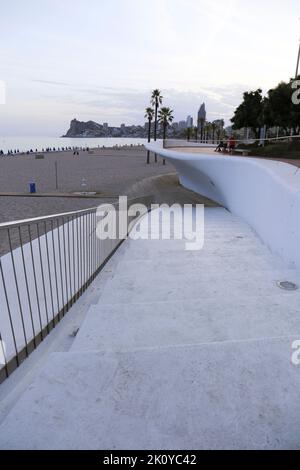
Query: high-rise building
{"points": [[201, 120], [182, 125], [189, 122], [202, 113]]}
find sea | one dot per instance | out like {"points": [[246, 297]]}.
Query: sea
{"points": [[24, 144]]}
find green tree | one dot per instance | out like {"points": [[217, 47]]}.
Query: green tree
{"points": [[280, 109], [149, 115], [207, 130], [165, 117], [213, 131], [218, 129], [250, 112], [187, 133]]}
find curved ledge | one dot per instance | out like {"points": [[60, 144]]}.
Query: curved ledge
{"points": [[266, 194]]}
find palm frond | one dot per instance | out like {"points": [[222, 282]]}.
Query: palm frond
{"points": [[165, 115], [149, 113], [156, 97]]}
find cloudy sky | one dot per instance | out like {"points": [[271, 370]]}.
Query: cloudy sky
{"points": [[99, 59]]}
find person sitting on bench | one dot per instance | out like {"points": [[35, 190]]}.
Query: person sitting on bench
{"points": [[231, 144], [220, 147]]}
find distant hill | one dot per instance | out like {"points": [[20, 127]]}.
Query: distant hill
{"points": [[93, 129]]}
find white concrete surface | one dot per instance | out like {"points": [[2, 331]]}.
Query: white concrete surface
{"points": [[59, 340], [219, 395], [265, 193], [181, 350]]}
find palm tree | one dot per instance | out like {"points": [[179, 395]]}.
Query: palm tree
{"points": [[156, 101], [207, 131], [213, 127], [196, 133], [149, 115], [201, 123], [165, 117], [187, 133]]}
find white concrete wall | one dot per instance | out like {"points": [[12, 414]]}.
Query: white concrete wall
{"points": [[266, 194]]}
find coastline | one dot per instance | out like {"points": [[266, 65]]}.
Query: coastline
{"points": [[38, 143]]}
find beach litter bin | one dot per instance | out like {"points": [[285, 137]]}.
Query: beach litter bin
{"points": [[32, 188]]}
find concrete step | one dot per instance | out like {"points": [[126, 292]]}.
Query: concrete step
{"points": [[186, 285], [233, 395], [126, 327], [180, 350], [226, 265], [139, 250], [218, 257]]}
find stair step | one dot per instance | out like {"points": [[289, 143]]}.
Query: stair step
{"points": [[125, 327], [234, 395]]}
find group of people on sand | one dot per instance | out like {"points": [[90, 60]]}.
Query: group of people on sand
{"points": [[226, 146], [43, 150]]}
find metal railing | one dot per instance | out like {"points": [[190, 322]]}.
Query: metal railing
{"points": [[178, 143], [48, 263]]}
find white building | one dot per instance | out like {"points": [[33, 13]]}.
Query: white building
{"points": [[189, 122]]}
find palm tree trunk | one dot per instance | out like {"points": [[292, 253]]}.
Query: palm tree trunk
{"points": [[149, 138], [149, 130], [165, 129], [155, 127], [155, 121]]}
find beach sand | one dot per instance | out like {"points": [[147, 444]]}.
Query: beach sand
{"points": [[108, 172]]}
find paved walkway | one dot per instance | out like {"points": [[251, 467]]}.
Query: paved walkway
{"points": [[291, 161], [183, 349]]}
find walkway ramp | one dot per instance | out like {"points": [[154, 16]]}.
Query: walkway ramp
{"points": [[184, 350]]}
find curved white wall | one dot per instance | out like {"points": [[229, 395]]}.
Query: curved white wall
{"points": [[266, 194]]}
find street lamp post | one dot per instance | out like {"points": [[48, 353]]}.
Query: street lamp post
{"points": [[298, 60]]}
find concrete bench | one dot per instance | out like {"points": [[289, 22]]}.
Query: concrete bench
{"points": [[244, 152]]}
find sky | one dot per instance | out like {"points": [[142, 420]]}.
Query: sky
{"points": [[99, 59]]}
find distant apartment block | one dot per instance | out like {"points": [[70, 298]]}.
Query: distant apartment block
{"points": [[189, 122]]}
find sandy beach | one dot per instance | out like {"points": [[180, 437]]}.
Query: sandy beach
{"points": [[108, 172]]}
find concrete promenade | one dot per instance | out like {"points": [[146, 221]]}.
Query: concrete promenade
{"points": [[181, 350]]}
